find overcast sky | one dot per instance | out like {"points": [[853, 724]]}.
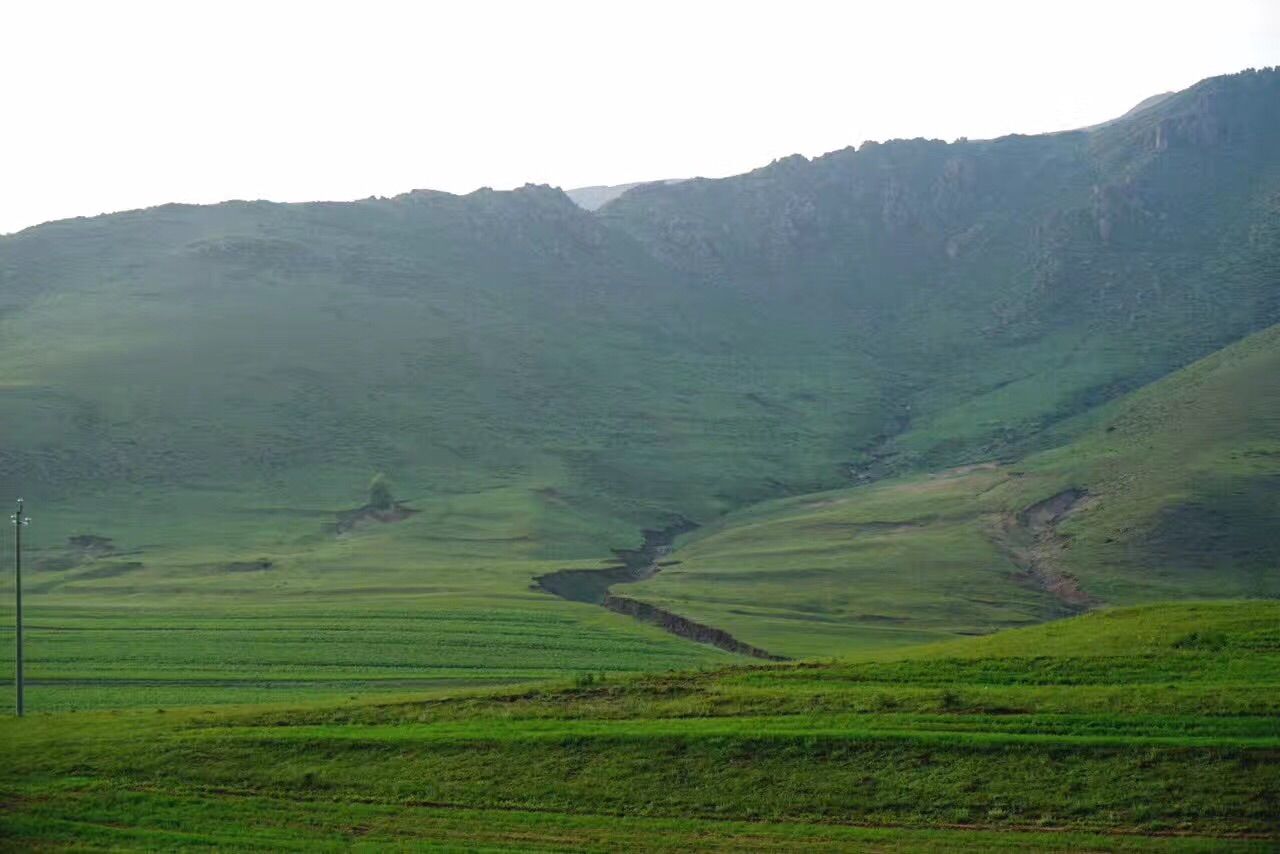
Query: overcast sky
{"points": [[116, 105]]}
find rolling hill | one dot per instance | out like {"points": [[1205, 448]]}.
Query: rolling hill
{"points": [[852, 372], [1170, 492], [691, 348]]}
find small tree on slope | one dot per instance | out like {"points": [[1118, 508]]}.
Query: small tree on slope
{"points": [[380, 497]]}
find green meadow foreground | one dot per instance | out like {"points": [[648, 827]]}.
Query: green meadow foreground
{"points": [[1151, 728], [978, 442]]}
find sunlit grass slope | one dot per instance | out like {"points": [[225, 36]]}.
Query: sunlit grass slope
{"points": [[1183, 499], [1152, 728], [828, 574]]}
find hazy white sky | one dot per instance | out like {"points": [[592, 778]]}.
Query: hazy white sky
{"points": [[115, 105]]}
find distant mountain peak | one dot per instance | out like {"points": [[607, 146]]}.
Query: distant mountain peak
{"points": [[597, 196]]}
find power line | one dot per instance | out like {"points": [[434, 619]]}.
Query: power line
{"points": [[20, 521]]}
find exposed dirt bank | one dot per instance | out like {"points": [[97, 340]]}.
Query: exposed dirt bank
{"points": [[685, 627], [370, 515], [631, 565], [1031, 540]]}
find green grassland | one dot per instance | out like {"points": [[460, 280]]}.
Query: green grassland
{"points": [[1149, 728], [1183, 493], [345, 615], [211, 388], [444, 597], [929, 403]]}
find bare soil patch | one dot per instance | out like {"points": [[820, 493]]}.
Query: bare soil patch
{"points": [[1031, 540], [367, 515]]}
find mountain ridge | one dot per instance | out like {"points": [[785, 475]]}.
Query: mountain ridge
{"points": [[903, 305]]}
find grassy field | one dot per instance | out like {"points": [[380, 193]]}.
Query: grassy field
{"points": [[111, 658], [894, 385], [1180, 488], [1182, 482], [1154, 728], [372, 610], [210, 388]]}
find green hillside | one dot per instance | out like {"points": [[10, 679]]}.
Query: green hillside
{"points": [[193, 400], [1001, 286], [211, 362], [1171, 492], [1134, 729], [689, 349]]}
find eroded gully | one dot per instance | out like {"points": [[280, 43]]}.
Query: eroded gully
{"points": [[595, 587]]}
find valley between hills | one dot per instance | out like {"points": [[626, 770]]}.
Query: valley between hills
{"points": [[918, 496]]}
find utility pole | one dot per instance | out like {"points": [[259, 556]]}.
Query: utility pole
{"points": [[19, 522]]}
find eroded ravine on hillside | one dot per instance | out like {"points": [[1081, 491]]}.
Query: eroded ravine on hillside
{"points": [[594, 586], [1031, 540]]}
